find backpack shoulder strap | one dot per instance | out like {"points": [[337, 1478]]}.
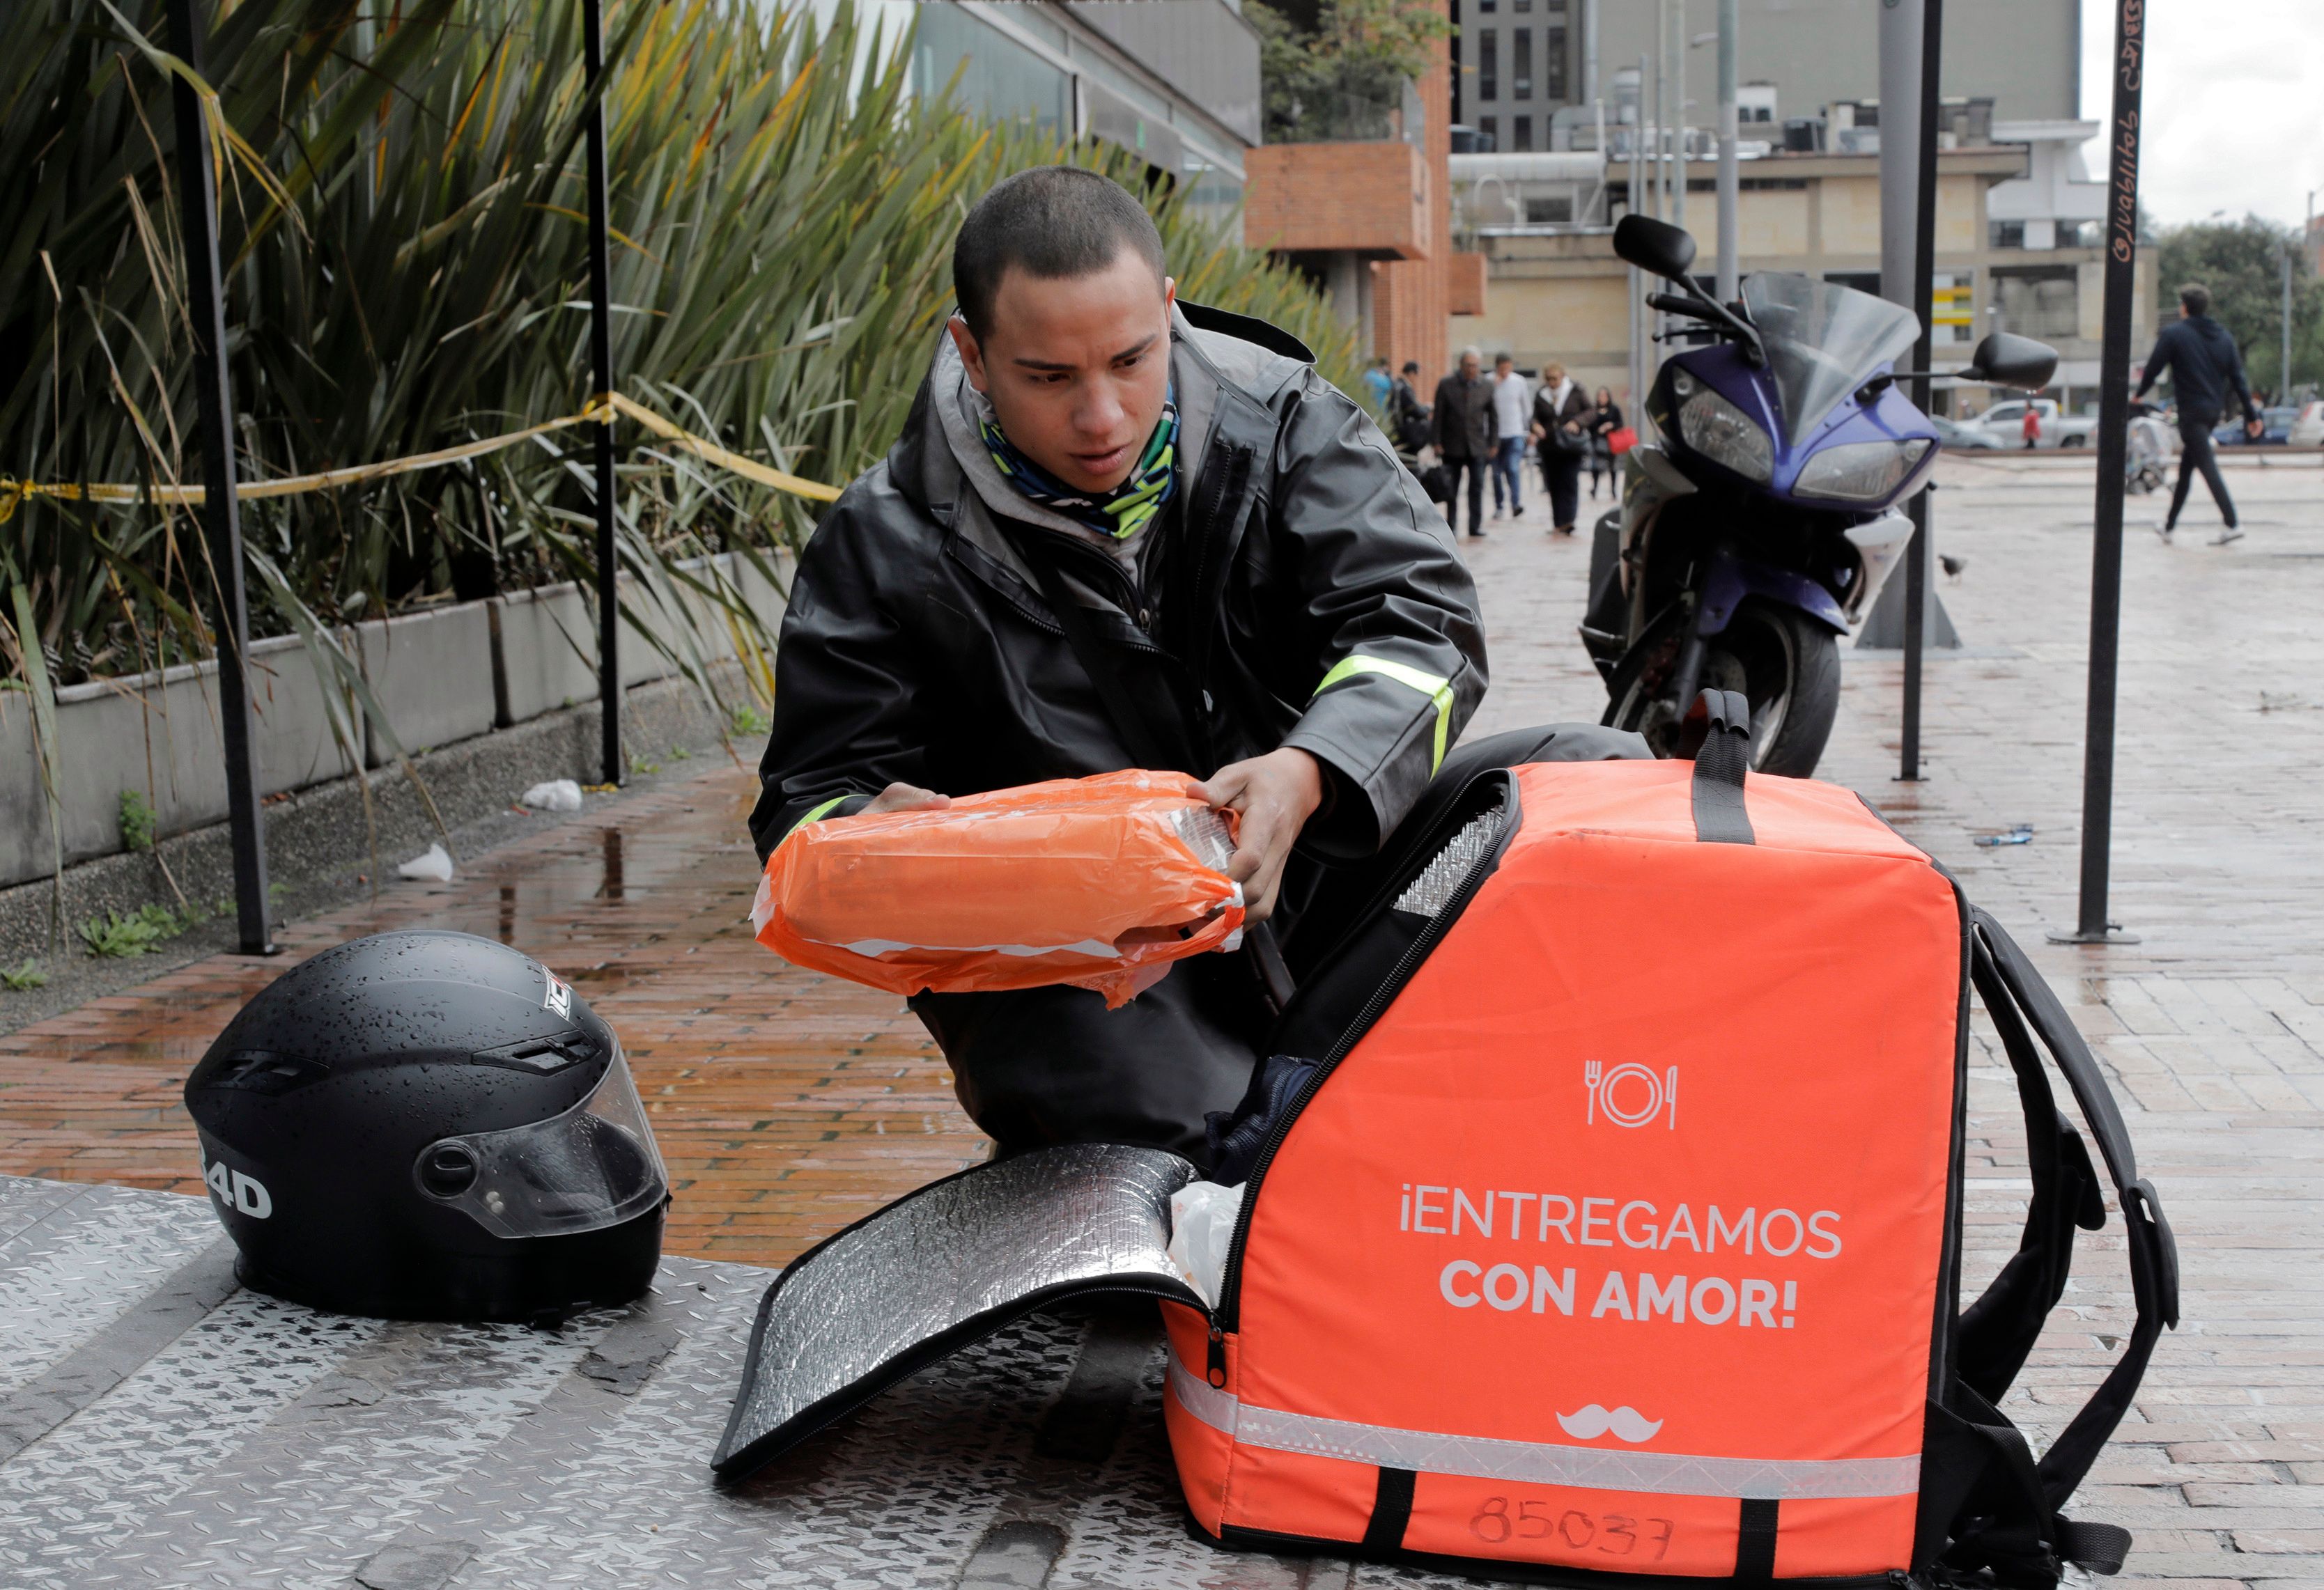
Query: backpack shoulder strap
{"points": [[2154, 1252], [1998, 1332]]}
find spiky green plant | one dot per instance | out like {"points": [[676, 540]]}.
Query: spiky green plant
{"points": [[402, 219]]}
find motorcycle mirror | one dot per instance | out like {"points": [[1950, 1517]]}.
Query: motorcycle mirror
{"points": [[2006, 360], [1656, 247]]}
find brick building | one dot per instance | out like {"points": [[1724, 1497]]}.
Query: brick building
{"points": [[1369, 220]]}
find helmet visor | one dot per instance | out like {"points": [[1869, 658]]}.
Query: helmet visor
{"points": [[594, 1165]]}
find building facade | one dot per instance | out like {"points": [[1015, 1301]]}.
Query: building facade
{"points": [[1522, 61], [2018, 211], [1558, 292], [1176, 80], [1369, 220]]}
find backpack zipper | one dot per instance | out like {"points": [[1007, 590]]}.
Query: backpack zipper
{"points": [[1228, 1314]]}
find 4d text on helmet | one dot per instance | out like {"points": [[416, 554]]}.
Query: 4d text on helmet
{"points": [[235, 1191], [1626, 1097]]}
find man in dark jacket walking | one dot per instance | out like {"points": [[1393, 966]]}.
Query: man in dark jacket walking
{"points": [[1093, 468], [1466, 435], [2204, 367]]}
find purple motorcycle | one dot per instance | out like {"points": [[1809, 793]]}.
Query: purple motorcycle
{"points": [[1760, 525]]}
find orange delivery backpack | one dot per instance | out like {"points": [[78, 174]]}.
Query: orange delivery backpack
{"points": [[1600, 1216]]}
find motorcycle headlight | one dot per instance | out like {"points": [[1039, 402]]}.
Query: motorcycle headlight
{"points": [[1861, 472], [1725, 434]]}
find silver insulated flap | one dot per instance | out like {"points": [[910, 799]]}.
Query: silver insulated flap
{"points": [[942, 1268]]}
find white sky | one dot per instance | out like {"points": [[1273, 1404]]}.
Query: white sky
{"points": [[2233, 105]]}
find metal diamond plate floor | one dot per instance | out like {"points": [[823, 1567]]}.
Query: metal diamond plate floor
{"points": [[160, 1426]]}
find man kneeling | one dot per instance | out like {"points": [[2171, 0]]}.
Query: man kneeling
{"points": [[1119, 531]]}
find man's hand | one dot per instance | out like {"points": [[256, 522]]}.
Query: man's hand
{"points": [[2252, 429], [906, 797], [1274, 795]]}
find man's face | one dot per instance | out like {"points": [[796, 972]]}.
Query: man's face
{"points": [[1501, 368], [1469, 367], [1554, 374], [1077, 368]]}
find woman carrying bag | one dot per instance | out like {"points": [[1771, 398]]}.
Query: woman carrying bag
{"points": [[1605, 420], [1561, 416]]}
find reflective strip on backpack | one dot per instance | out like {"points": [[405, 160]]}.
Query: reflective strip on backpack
{"points": [[1542, 1462], [1439, 691]]}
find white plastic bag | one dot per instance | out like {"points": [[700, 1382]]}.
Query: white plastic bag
{"points": [[558, 794], [431, 866], [1203, 1216]]}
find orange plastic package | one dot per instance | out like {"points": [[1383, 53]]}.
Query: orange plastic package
{"points": [[1099, 882]]}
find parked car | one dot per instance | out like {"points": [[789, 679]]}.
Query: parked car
{"points": [[2275, 429], [2006, 423], [1969, 438], [2308, 427]]}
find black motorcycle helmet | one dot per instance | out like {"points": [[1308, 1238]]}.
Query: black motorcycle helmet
{"points": [[429, 1126]]}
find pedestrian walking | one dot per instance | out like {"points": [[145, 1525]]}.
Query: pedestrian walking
{"points": [[1510, 395], [1407, 413], [1605, 420], [2204, 367], [2031, 428], [1380, 383], [1561, 416], [1464, 436]]}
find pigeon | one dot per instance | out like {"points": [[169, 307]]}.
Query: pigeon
{"points": [[1952, 566]]}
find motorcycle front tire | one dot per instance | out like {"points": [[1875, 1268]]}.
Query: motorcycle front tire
{"points": [[1786, 664]]}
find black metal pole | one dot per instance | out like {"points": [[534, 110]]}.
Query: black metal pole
{"points": [[2114, 422], [601, 375], [221, 523], [1925, 272]]}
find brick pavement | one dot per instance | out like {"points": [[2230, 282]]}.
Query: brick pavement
{"points": [[789, 1103]]}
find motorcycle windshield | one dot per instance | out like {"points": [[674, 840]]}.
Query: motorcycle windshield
{"points": [[1822, 341]]}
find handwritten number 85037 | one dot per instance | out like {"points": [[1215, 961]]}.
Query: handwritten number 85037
{"points": [[1614, 1534]]}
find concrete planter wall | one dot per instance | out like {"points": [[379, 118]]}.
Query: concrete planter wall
{"points": [[429, 673], [441, 676], [158, 734]]}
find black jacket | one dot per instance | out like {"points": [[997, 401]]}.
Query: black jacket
{"points": [[1410, 416], [1300, 590], [1464, 417], [2204, 368], [1552, 417]]}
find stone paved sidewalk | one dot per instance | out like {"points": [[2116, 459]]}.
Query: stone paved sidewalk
{"points": [[789, 1104]]}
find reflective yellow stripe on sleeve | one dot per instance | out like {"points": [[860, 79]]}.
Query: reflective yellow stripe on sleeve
{"points": [[1438, 691], [813, 815]]}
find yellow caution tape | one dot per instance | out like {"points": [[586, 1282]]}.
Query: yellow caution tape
{"points": [[748, 468], [601, 408]]}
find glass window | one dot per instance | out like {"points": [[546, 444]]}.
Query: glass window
{"points": [[1552, 70], [1521, 64], [2006, 234], [998, 78], [1489, 65], [1213, 193], [1488, 135], [1486, 7], [1520, 4], [1549, 212], [1521, 132]]}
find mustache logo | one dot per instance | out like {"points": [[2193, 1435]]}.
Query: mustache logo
{"points": [[1588, 1423]]}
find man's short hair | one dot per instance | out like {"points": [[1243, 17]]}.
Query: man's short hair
{"points": [[1052, 223], [1472, 352], [2195, 299], [1505, 358], [1412, 367]]}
